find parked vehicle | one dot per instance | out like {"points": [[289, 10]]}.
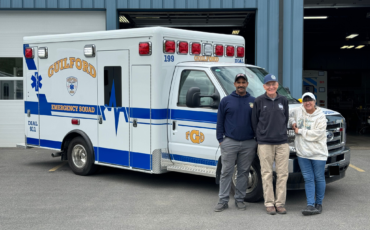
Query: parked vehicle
{"points": [[144, 100]]}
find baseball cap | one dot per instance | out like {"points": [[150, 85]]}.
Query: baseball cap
{"points": [[308, 94], [240, 75], [269, 77]]}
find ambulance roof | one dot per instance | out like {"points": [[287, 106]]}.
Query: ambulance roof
{"points": [[212, 64], [137, 32]]}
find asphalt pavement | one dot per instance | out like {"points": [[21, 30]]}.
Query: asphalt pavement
{"points": [[33, 197]]}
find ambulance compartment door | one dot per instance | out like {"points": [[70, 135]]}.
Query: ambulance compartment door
{"points": [[33, 85], [140, 117], [192, 131], [113, 104]]}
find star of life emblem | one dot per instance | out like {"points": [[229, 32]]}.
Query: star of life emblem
{"points": [[72, 84], [273, 77]]}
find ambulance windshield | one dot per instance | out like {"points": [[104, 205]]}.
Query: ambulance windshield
{"points": [[226, 75]]}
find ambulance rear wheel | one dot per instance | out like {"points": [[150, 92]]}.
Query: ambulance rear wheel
{"points": [[81, 157]]}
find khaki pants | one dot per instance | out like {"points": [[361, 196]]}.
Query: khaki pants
{"points": [[267, 155]]}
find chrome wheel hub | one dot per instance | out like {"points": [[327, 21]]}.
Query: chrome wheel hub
{"points": [[79, 156], [252, 179]]}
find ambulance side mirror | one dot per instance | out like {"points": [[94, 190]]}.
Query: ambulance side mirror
{"points": [[193, 97]]}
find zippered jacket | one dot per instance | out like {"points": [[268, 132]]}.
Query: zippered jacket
{"points": [[270, 118], [234, 117], [310, 142]]}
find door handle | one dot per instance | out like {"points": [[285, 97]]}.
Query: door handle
{"points": [[134, 123], [173, 125], [100, 119], [28, 113]]}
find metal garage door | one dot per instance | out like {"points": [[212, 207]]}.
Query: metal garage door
{"points": [[13, 27]]}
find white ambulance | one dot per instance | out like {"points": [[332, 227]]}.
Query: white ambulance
{"points": [[143, 100]]}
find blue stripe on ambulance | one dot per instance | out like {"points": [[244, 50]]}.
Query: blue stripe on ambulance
{"points": [[120, 157]]}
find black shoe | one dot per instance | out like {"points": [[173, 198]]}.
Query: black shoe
{"points": [[319, 208], [221, 206], [240, 205], [310, 210]]}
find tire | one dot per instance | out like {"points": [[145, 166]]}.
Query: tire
{"points": [[254, 190], [81, 157]]}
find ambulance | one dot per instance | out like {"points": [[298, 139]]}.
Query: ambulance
{"points": [[144, 100]]}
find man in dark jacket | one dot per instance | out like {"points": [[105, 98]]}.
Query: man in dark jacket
{"points": [[236, 137], [270, 117]]}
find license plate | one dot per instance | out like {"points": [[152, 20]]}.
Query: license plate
{"points": [[334, 170]]}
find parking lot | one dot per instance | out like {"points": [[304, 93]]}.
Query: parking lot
{"points": [[41, 192]]}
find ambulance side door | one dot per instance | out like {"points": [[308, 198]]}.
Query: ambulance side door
{"points": [[192, 131]]}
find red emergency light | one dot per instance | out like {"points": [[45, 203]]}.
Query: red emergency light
{"points": [[230, 51], [219, 50], [75, 121], [145, 48], [169, 47], [28, 53], [240, 51], [183, 48], [195, 48]]}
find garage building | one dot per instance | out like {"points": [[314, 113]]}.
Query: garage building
{"points": [[278, 38]]}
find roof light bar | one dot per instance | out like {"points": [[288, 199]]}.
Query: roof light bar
{"points": [[89, 50], [43, 52], [351, 36], [315, 17], [195, 48], [240, 51], [229, 51], [207, 49], [182, 47], [169, 46], [28, 53], [218, 50], [145, 48]]}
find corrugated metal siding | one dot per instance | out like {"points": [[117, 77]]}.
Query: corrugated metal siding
{"points": [[52, 4], [130, 4], [4, 3], [59, 4], [267, 35], [40, 3], [293, 46]]}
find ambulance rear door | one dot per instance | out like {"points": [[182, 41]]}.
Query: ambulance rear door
{"points": [[33, 84]]}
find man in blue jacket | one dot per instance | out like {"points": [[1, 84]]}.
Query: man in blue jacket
{"points": [[236, 137]]}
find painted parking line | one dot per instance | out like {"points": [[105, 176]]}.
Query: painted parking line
{"points": [[57, 167], [354, 167]]}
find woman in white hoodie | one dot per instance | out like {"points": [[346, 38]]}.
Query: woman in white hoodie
{"points": [[309, 124]]}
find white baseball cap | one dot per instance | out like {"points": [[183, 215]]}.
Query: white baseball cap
{"points": [[308, 94]]}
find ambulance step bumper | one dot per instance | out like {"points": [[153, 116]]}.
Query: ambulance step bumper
{"points": [[191, 169]]}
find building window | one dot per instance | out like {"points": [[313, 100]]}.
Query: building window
{"points": [[11, 79]]}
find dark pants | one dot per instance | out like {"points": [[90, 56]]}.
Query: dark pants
{"points": [[243, 153]]}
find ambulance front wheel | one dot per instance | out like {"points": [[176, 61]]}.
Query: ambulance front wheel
{"points": [[81, 157], [254, 191]]}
